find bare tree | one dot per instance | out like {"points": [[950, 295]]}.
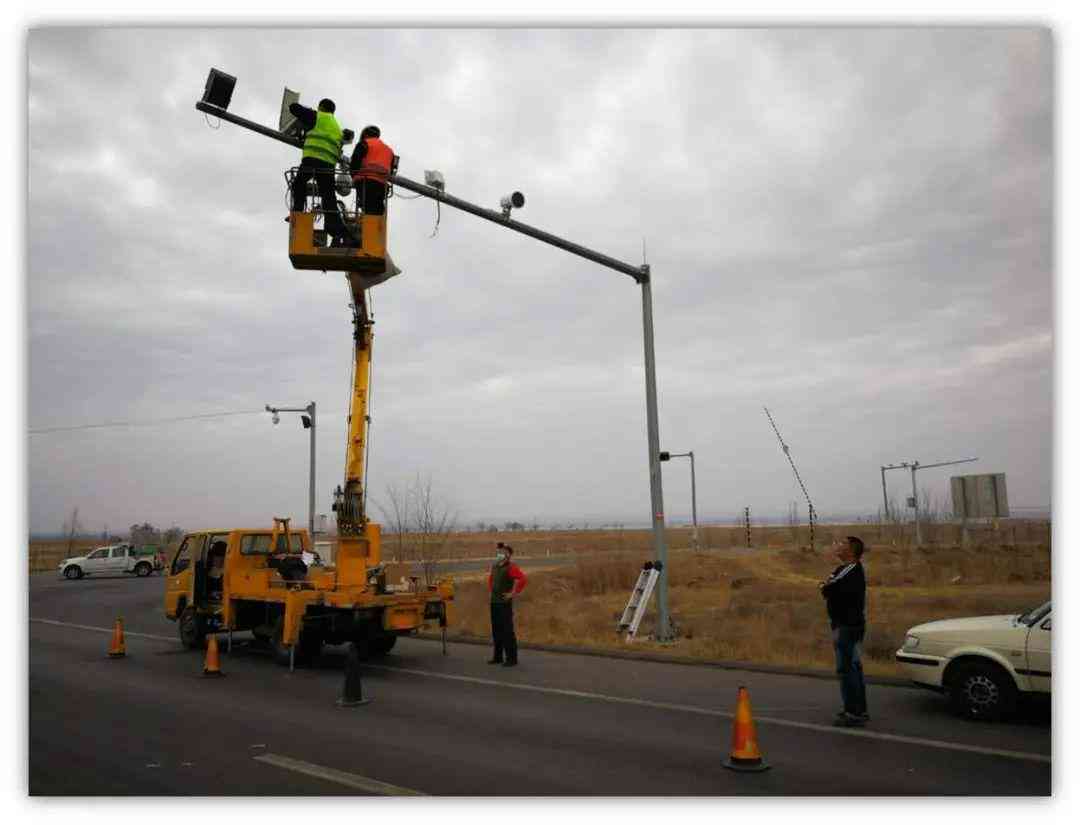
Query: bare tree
{"points": [[71, 529], [397, 517], [420, 522]]}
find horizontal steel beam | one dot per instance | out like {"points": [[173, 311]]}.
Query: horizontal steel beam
{"points": [[217, 111], [638, 273]]}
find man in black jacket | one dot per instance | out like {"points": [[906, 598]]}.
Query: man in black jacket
{"points": [[845, 600]]}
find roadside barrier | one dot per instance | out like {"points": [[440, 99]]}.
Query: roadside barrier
{"points": [[352, 693], [116, 645], [212, 665], [745, 754]]}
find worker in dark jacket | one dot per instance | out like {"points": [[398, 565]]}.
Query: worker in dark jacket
{"points": [[505, 581], [372, 161], [845, 600], [322, 148]]}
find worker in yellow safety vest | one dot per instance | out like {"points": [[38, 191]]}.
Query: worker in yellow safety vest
{"points": [[372, 162], [322, 149]]}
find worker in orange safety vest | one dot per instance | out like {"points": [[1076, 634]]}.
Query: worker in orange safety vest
{"points": [[372, 161]]}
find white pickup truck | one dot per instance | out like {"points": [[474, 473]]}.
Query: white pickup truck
{"points": [[113, 560]]}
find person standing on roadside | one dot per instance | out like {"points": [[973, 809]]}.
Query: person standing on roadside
{"points": [[505, 581], [845, 600]]}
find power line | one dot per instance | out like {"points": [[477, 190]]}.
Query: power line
{"points": [[146, 423]]}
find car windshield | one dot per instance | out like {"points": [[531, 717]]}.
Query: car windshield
{"points": [[1034, 614]]}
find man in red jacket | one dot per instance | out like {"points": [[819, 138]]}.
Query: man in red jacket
{"points": [[371, 164], [504, 582]]}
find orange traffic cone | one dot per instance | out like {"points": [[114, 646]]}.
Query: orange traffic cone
{"points": [[745, 755], [116, 646], [212, 666]]}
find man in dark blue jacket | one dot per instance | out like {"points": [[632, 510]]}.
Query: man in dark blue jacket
{"points": [[845, 600]]}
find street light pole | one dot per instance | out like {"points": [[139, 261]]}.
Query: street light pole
{"points": [[884, 495], [666, 456], [308, 420], [641, 274]]}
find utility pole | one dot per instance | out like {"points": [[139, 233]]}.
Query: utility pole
{"points": [[643, 276], [915, 466], [787, 452]]}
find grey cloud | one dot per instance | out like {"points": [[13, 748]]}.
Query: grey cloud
{"points": [[852, 226]]}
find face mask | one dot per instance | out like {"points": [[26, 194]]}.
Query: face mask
{"points": [[500, 556]]}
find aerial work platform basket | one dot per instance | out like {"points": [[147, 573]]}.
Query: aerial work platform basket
{"points": [[308, 246]]}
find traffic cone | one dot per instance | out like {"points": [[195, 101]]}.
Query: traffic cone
{"points": [[116, 646], [745, 755], [352, 694], [212, 666]]}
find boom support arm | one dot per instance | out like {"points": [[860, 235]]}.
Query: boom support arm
{"points": [[349, 502]]}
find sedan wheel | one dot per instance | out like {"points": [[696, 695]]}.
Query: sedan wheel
{"points": [[72, 573], [982, 691]]}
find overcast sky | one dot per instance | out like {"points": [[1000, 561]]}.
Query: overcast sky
{"points": [[850, 226]]}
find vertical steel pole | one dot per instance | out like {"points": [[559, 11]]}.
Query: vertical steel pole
{"points": [[693, 498], [311, 481], [656, 492], [884, 494], [915, 498]]}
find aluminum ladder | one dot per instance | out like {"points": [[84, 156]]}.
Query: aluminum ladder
{"points": [[639, 600]]}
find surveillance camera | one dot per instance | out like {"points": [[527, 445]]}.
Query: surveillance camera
{"points": [[515, 200], [434, 178], [276, 419]]}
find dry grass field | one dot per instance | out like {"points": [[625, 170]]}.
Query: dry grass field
{"points": [[758, 604], [763, 605]]}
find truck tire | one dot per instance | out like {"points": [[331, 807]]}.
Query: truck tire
{"points": [[73, 572], [192, 629], [981, 690], [143, 569], [381, 645]]}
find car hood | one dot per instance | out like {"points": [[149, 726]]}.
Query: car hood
{"points": [[73, 559], [957, 627]]}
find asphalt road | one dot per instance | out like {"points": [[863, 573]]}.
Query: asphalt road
{"points": [[559, 724]]}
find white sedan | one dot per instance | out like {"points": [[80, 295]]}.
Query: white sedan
{"points": [[982, 664]]}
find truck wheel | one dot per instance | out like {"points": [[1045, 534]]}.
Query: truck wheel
{"points": [[192, 629], [981, 691], [143, 569], [72, 572], [381, 645]]}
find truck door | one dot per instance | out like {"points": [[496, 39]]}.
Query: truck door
{"points": [[179, 584], [118, 559], [98, 561], [1038, 655]]}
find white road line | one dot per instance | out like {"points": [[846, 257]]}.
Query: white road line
{"points": [[769, 720], [603, 697], [349, 780], [105, 630]]}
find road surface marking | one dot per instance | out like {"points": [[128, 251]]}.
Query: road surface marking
{"points": [[603, 697], [349, 780], [105, 630], [791, 723]]}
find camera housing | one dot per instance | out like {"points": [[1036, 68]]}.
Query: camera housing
{"points": [[515, 200]]}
